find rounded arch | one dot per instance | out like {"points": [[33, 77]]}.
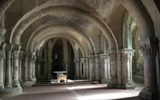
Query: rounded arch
{"points": [[62, 29], [40, 12], [115, 22], [142, 17], [43, 40]]}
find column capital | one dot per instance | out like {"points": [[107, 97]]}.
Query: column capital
{"points": [[103, 56], [8, 46], [2, 33], [2, 52], [84, 58], [93, 55], [128, 51], [149, 46], [16, 47]]}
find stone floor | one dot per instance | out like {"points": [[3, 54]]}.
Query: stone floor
{"points": [[75, 92]]}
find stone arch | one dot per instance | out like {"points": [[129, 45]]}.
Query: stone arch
{"points": [[142, 17], [62, 29], [44, 39], [40, 12], [115, 22], [56, 30], [69, 38]]}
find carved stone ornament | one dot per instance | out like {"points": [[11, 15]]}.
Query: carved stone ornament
{"points": [[149, 46]]}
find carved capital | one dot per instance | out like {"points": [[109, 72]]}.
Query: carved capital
{"points": [[8, 46], [16, 51], [2, 51], [149, 46]]}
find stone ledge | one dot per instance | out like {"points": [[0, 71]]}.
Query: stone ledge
{"points": [[130, 85], [27, 83], [7, 92]]}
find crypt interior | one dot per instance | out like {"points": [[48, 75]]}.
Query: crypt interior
{"points": [[79, 49]]}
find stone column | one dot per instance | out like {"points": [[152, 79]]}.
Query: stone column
{"points": [[38, 67], [87, 68], [34, 79], [149, 49], [113, 63], [30, 70], [45, 63], [8, 75], [91, 68], [126, 61], [97, 69], [2, 60], [77, 69], [105, 69], [20, 66], [25, 76], [15, 61], [50, 59], [82, 70]]}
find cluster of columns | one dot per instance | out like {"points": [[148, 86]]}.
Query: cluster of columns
{"points": [[9, 67], [29, 76], [114, 68], [82, 68]]}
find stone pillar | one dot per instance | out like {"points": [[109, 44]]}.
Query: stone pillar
{"points": [[113, 63], [20, 66], [45, 63], [34, 79], [2, 60], [86, 68], [11, 72], [149, 49], [38, 67], [105, 69], [120, 63], [126, 61], [97, 69], [30, 70], [25, 76], [91, 68], [8, 75], [77, 69], [82, 70], [50, 59], [15, 62]]}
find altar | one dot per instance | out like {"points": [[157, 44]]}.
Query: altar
{"points": [[61, 76]]}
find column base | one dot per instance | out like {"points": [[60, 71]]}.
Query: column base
{"points": [[129, 85], [7, 92], [8, 86], [112, 86], [95, 82], [16, 84], [105, 80], [1, 87], [148, 94], [34, 81], [27, 83]]}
